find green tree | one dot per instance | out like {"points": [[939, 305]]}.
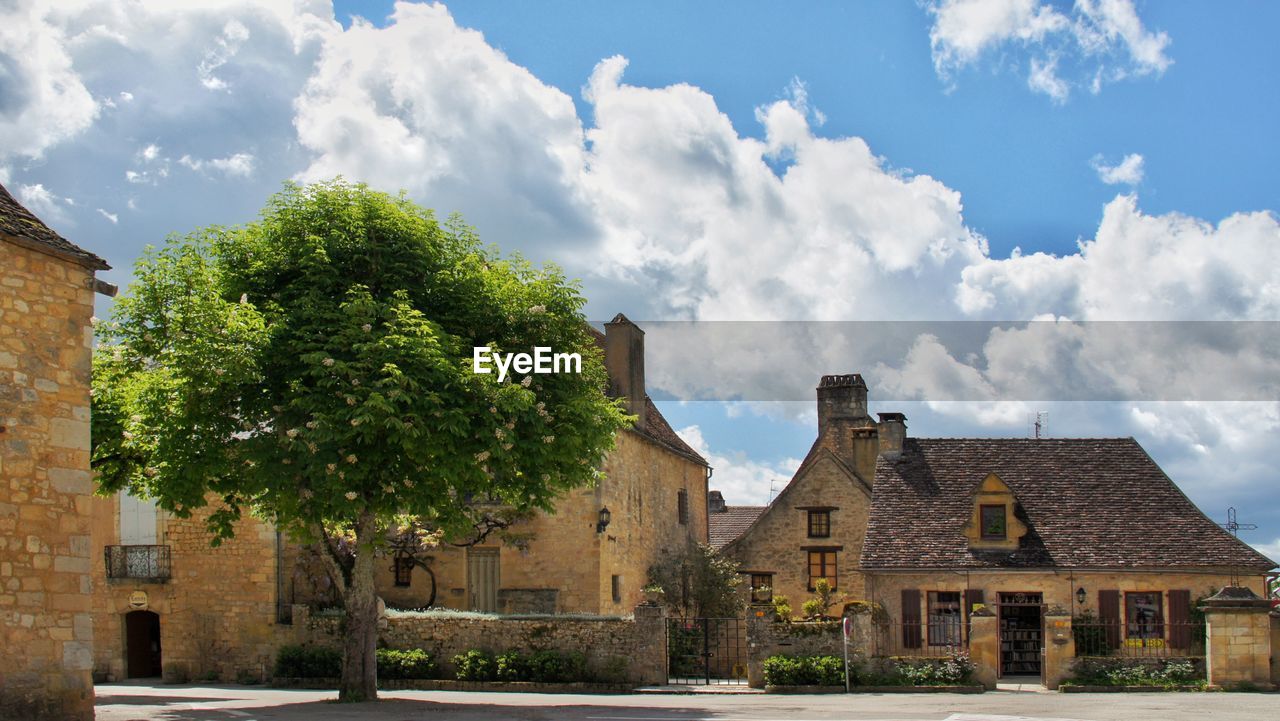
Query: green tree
{"points": [[315, 368], [698, 581]]}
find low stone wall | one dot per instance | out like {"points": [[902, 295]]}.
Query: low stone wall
{"points": [[766, 637], [621, 650]]}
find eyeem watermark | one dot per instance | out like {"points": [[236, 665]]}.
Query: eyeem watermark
{"points": [[542, 361]]}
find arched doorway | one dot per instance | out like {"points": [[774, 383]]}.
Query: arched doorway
{"points": [[142, 644]]}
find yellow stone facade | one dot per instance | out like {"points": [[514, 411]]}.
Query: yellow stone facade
{"points": [[46, 305]]}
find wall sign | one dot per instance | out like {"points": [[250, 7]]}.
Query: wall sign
{"points": [[138, 600]]}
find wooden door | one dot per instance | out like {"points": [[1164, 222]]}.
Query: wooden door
{"points": [[142, 644], [483, 578]]}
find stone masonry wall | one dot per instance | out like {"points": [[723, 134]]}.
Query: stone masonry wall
{"points": [[631, 649], [217, 611], [45, 353]]}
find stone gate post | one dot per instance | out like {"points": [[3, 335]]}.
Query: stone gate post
{"points": [[1059, 647], [984, 647], [1238, 647], [649, 666]]}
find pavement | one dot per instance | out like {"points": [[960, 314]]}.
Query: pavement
{"points": [[139, 702]]}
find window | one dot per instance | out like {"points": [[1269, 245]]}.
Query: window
{"points": [[682, 506], [761, 587], [822, 564], [404, 571], [1143, 615], [819, 524], [944, 618], [994, 526], [616, 583]]}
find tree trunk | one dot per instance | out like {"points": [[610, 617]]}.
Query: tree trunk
{"points": [[359, 662]]}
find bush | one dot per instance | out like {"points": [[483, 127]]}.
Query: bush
{"points": [[512, 667], [1135, 672], [804, 671], [781, 608], [308, 662], [475, 665], [415, 663], [556, 667], [953, 670]]}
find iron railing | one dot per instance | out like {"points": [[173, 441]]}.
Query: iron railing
{"points": [[149, 563], [1157, 639], [936, 639]]}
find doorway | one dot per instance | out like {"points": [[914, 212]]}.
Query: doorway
{"points": [[142, 644], [483, 578], [1021, 634]]}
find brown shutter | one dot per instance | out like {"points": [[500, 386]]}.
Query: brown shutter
{"points": [[1109, 614], [1180, 619], [972, 597], [911, 618]]}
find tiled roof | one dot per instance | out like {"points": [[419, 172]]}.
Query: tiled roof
{"points": [[1088, 503], [659, 431], [20, 224], [726, 525]]}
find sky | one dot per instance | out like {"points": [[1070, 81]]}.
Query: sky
{"points": [[795, 166]]}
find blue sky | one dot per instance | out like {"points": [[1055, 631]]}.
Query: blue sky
{"points": [[735, 161]]}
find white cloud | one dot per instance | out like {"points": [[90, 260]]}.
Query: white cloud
{"points": [[1270, 550], [44, 204], [238, 165], [112, 217], [225, 47], [1128, 171], [1101, 40], [742, 481]]}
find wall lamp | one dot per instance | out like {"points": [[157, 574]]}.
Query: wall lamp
{"points": [[602, 521], [1081, 595]]}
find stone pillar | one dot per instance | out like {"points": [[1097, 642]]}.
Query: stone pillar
{"points": [[1238, 647], [1275, 648], [1059, 648], [649, 666], [984, 647], [760, 618]]}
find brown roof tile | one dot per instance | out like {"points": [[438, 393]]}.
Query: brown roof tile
{"points": [[1088, 503], [26, 229], [730, 523]]}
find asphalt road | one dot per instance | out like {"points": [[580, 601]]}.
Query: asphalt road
{"points": [[130, 702]]}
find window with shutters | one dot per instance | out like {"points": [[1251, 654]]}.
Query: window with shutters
{"points": [[822, 564], [682, 507], [944, 618]]}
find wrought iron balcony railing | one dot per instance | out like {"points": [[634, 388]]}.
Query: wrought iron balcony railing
{"points": [[138, 562]]}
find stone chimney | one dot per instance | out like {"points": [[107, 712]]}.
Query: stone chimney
{"points": [[893, 433], [841, 398], [624, 359], [715, 502]]}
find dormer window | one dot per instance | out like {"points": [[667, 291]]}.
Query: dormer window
{"points": [[995, 526]]}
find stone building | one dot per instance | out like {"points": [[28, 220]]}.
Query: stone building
{"points": [[932, 528], [47, 290], [166, 602]]}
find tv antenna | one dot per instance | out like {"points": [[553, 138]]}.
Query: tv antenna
{"points": [[1235, 526], [772, 492]]}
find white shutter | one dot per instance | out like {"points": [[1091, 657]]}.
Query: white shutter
{"points": [[137, 521]]}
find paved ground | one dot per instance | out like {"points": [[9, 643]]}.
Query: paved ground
{"points": [[131, 702]]}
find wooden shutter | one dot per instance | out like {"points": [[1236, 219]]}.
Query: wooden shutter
{"points": [[911, 618], [1109, 614], [1180, 619]]}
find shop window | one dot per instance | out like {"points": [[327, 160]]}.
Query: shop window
{"points": [[1143, 615]]}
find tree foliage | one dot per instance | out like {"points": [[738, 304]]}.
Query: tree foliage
{"points": [[698, 582], [314, 368]]}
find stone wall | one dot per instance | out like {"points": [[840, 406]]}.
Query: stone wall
{"points": [[766, 637], [45, 352], [631, 650], [217, 612]]}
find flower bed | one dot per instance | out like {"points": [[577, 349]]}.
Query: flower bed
{"points": [[1126, 674]]}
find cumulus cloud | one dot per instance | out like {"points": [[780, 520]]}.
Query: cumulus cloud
{"points": [[1128, 171], [1101, 40], [44, 203], [742, 480]]}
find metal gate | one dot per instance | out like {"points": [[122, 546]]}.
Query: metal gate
{"points": [[706, 651]]}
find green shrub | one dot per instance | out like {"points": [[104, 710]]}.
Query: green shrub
{"points": [[781, 608], [475, 665], [416, 663], [512, 667], [556, 667], [1135, 672], [804, 671], [308, 662]]}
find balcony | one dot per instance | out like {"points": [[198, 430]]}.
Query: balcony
{"points": [[138, 563]]}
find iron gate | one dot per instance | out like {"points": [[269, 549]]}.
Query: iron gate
{"points": [[706, 651]]}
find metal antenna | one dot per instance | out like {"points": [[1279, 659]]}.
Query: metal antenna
{"points": [[1234, 526], [1039, 424]]}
